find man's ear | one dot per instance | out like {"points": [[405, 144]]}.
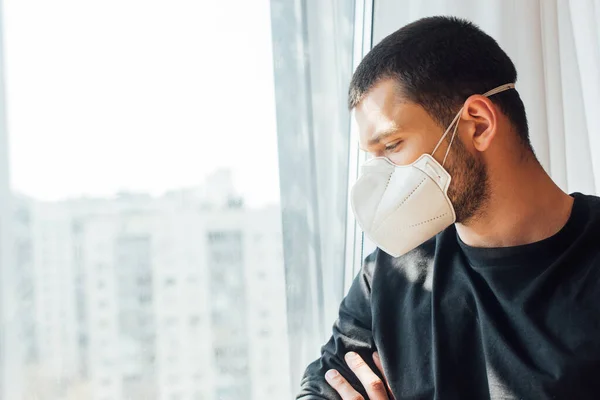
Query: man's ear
{"points": [[481, 117]]}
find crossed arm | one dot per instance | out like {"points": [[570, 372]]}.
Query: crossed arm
{"points": [[349, 368]]}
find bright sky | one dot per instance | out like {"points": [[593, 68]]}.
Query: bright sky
{"points": [[140, 95]]}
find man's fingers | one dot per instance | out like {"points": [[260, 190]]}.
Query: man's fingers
{"points": [[374, 386], [377, 362], [341, 385]]}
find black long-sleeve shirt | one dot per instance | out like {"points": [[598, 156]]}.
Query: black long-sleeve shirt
{"points": [[452, 321]]}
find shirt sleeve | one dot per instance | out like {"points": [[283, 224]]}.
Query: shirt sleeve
{"points": [[351, 332]]}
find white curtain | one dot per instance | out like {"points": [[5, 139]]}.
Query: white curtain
{"points": [[312, 53], [555, 45]]}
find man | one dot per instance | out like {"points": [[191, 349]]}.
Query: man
{"points": [[486, 283]]}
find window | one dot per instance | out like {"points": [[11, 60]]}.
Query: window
{"points": [[169, 282], [264, 333], [177, 181], [195, 321]]}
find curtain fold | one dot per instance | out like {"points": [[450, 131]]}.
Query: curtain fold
{"points": [[587, 56], [312, 52], [553, 94], [579, 169], [555, 45]]}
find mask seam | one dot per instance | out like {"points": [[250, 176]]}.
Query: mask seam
{"points": [[399, 205], [384, 190], [429, 220]]}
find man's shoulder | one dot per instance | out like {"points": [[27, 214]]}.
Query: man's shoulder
{"points": [[419, 254], [414, 267], [588, 208], [592, 202]]}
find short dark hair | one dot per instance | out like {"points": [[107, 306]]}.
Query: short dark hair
{"points": [[438, 62]]}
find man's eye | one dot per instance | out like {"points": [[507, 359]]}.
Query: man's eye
{"points": [[392, 146]]}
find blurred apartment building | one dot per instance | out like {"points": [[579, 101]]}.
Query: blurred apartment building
{"points": [[177, 297]]}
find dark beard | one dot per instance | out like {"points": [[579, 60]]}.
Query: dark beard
{"points": [[468, 189]]}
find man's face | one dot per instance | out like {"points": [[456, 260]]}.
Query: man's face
{"points": [[403, 131]]}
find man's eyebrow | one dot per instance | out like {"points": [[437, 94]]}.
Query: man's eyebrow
{"points": [[382, 135]]}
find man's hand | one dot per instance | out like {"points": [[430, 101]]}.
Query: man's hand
{"points": [[374, 386]]}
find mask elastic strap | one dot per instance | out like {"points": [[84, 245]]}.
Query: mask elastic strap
{"points": [[499, 89], [456, 120], [452, 139]]}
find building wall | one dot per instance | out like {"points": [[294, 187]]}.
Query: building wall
{"points": [[174, 297]]}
